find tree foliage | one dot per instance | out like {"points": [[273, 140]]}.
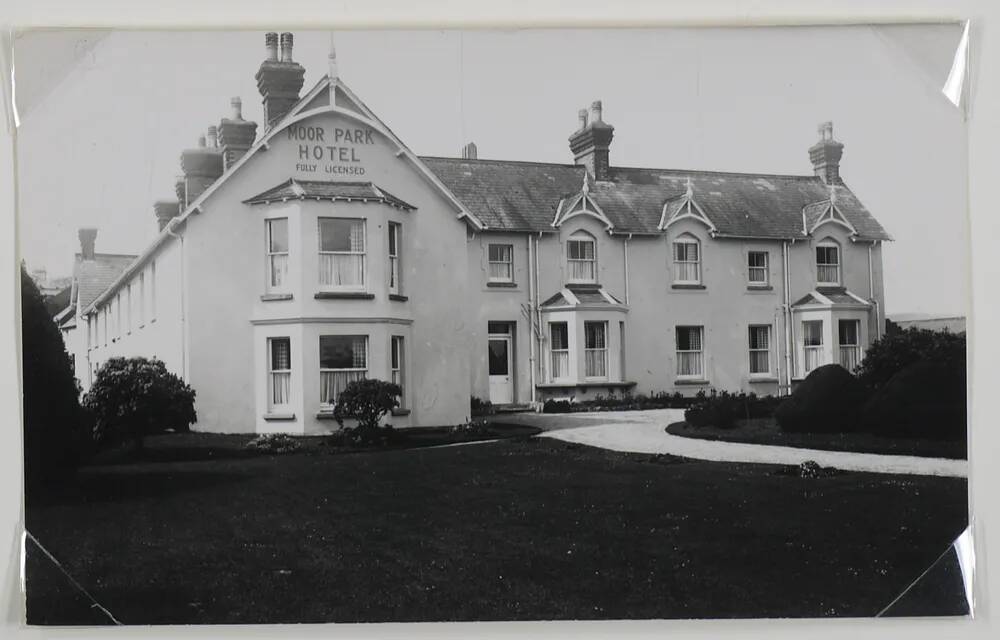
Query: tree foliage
{"points": [[55, 426], [135, 397], [925, 400], [900, 349], [367, 401], [829, 400]]}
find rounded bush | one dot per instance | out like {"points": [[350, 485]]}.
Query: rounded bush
{"points": [[924, 400], [829, 400]]}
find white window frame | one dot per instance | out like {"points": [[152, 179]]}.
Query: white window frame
{"points": [[559, 354], [700, 374], [766, 350], [275, 257], [853, 349], [325, 286], [397, 365], [588, 352], [765, 270], [142, 298], [495, 267], [104, 315], [152, 291], [128, 309], [273, 373], [392, 249], [582, 238], [828, 244], [118, 315], [817, 349], [686, 240], [328, 406]]}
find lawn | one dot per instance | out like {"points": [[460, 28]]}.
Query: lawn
{"points": [[767, 431], [521, 529]]}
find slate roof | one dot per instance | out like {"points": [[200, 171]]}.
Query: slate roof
{"points": [[585, 294], [835, 295], [294, 189], [92, 277], [525, 196]]}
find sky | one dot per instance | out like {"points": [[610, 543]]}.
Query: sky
{"points": [[105, 115]]}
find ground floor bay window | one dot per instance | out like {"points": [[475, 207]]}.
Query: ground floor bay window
{"points": [[849, 337], [812, 345], [559, 340], [342, 360], [279, 374], [595, 349]]}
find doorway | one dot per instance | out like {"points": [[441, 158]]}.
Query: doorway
{"points": [[500, 358]]}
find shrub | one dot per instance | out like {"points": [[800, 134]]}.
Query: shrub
{"points": [[56, 429], [557, 406], [480, 407], [723, 410], [898, 350], [829, 400], [274, 443], [135, 397], [367, 401], [925, 400]]}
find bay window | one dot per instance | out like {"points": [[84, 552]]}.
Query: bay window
{"points": [[342, 360], [760, 350], [394, 238], [595, 349], [581, 256], [559, 341], [501, 262], [277, 254], [828, 263], [849, 337], [757, 268], [812, 344], [279, 368], [687, 260], [342, 253], [690, 352]]}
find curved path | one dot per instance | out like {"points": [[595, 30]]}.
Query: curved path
{"points": [[644, 432]]}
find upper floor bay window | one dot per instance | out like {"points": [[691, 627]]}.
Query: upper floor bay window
{"points": [[342, 253], [581, 257], [828, 263], [277, 254], [394, 239], [849, 337], [757, 268], [812, 344], [760, 350], [342, 360], [595, 335], [501, 262], [559, 341], [690, 352], [279, 372], [687, 260]]}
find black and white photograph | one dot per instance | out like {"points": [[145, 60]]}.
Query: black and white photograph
{"points": [[371, 326]]}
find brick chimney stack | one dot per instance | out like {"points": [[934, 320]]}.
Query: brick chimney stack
{"points": [[236, 135], [591, 143], [470, 152], [279, 80], [826, 154], [202, 166], [88, 238], [165, 211]]}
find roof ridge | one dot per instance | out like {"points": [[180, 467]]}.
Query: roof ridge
{"points": [[723, 173], [110, 255], [499, 161]]}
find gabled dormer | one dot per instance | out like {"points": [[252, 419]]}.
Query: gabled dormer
{"points": [[684, 207]]}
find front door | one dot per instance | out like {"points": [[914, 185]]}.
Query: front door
{"points": [[501, 382]]}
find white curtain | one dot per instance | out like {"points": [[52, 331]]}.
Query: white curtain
{"points": [[342, 269], [689, 363], [560, 364], [332, 383], [596, 363], [581, 269], [278, 269], [281, 387]]}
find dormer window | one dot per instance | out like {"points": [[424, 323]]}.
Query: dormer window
{"points": [[581, 257], [828, 263], [687, 260]]}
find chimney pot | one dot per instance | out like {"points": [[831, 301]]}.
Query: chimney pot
{"points": [[826, 154], [212, 137], [165, 211], [470, 152], [286, 46], [597, 110], [271, 45], [237, 107], [583, 118], [201, 140], [88, 238]]}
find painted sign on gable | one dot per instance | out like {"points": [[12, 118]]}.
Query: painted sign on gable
{"points": [[335, 151]]}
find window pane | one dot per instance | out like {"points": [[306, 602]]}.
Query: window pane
{"points": [[759, 337], [393, 232], [560, 335], [757, 258], [812, 333], [338, 234], [277, 236], [498, 327], [343, 352], [500, 252], [689, 338], [848, 330], [498, 357], [580, 249], [281, 354], [594, 335]]}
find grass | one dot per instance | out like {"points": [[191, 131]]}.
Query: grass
{"points": [[767, 431], [522, 529]]}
